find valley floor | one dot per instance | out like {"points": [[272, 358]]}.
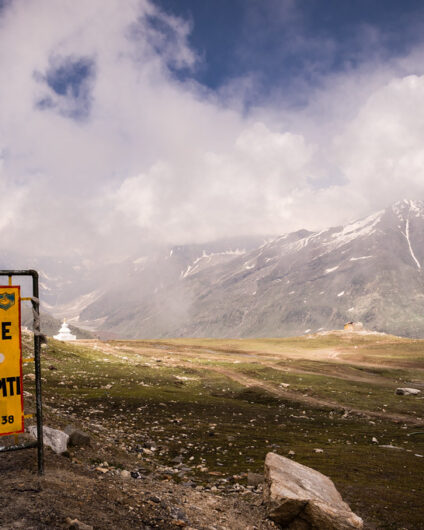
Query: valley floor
{"points": [[189, 418]]}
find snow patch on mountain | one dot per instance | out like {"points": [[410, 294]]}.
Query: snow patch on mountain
{"points": [[361, 228], [406, 234], [403, 211], [195, 266]]}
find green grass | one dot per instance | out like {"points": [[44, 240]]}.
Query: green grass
{"points": [[219, 426]]}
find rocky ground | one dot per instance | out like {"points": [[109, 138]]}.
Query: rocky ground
{"points": [[179, 431], [108, 499]]}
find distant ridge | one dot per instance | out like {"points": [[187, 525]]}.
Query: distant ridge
{"points": [[370, 270]]}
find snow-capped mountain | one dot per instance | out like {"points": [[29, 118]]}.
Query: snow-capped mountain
{"points": [[371, 270]]}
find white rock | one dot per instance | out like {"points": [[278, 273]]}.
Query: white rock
{"points": [[297, 496], [374, 440], [57, 440], [407, 391], [75, 524]]}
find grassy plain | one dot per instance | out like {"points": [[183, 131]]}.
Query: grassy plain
{"points": [[218, 406]]}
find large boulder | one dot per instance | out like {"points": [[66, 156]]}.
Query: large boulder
{"points": [[300, 498], [57, 440], [407, 391]]}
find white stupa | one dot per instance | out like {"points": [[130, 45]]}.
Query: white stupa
{"points": [[64, 333]]}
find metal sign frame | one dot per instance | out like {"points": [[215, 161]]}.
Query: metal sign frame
{"points": [[35, 302]]}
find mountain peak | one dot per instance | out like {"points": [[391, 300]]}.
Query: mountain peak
{"points": [[407, 208]]}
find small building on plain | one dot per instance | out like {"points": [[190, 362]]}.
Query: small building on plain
{"points": [[353, 326]]}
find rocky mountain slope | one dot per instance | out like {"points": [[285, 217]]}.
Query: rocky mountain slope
{"points": [[370, 270]]}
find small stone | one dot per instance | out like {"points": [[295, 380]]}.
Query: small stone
{"points": [[254, 479], [291, 453], [189, 483], [318, 450], [77, 438], [102, 469], [374, 440], [125, 474], [75, 524]]}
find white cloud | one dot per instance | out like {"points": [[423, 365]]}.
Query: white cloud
{"points": [[151, 157], [383, 145], [244, 188]]}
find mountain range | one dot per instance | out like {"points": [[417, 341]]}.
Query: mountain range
{"points": [[370, 270]]}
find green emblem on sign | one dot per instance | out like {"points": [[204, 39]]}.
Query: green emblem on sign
{"points": [[7, 300]]}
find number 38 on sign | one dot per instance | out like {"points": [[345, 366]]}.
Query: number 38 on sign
{"points": [[11, 392]]}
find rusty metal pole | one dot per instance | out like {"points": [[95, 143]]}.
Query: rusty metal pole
{"points": [[37, 346]]}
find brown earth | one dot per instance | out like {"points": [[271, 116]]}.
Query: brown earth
{"points": [[71, 489]]}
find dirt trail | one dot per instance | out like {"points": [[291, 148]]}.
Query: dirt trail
{"points": [[332, 372], [312, 401]]}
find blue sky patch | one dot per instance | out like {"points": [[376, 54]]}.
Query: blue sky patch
{"points": [[69, 80], [289, 46], [4, 4], [69, 76]]}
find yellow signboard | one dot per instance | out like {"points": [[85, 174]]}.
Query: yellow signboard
{"points": [[11, 392]]}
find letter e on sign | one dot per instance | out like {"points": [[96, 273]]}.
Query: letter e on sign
{"points": [[11, 391]]}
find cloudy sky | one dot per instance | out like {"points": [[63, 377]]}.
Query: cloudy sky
{"points": [[129, 122]]}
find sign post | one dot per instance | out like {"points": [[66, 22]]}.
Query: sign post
{"points": [[11, 394], [11, 386]]}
